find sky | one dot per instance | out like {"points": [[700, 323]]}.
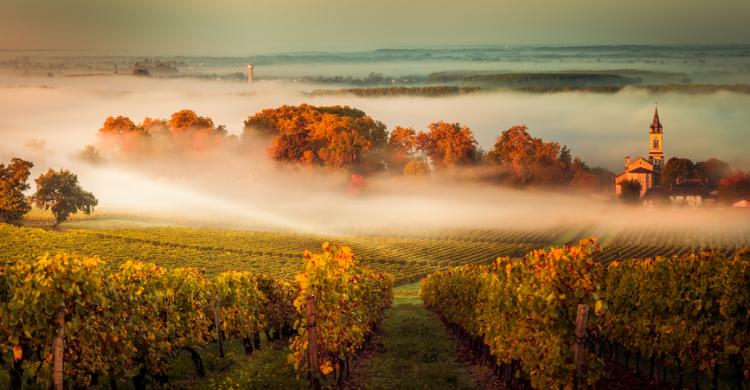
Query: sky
{"points": [[242, 27]]}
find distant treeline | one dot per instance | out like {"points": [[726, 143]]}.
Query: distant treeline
{"points": [[450, 90], [653, 88], [432, 90], [545, 79], [697, 88]]}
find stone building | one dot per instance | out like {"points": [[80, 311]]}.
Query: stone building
{"points": [[645, 171]]}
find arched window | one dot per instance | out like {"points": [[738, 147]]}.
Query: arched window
{"points": [[656, 143]]}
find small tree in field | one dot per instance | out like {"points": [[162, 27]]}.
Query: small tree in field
{"points": [[60, 192], [630, 191], [13, 182]]}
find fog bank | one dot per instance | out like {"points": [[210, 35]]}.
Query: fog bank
{"points": [[48, 120]]}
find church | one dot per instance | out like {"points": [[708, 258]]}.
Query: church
{"points": [[645, 171]]}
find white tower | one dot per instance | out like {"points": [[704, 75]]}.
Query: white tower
{"points": [[249, 73]]}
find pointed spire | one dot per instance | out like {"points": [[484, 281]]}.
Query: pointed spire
{"points": [[655, 123]]}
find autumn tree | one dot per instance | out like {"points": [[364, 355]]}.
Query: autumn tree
{"points": [[530, 158], [60, 192], [416, 168], [119, 125], [90, 154], [449, 145], [121, 135], [184, 120], [735, 186], [184, 132], [402, 146], [335, 137], [155, 126], [630, 191], [13, 182], [675, 169]]}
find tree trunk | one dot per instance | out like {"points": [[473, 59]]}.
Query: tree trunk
{"points": [[508, 375], [58, 347], [139, 381], [248, 345], [638, 362], [651, 369], [217, 324], [197, 361], [256, 340], [739, 377], [715, 380], [112, 381], [16, 375]]}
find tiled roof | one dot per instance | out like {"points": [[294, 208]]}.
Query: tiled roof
{"points": [[641, 170]]}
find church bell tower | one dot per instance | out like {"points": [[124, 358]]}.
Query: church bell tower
{"points": [[656, 142]]}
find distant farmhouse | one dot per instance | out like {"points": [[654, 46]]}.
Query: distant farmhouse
{"points": [[647, 172]]}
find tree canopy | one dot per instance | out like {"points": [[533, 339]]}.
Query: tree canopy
{"points": [[60, 192], [712, 170], [735, 186], [335, 137], [531, 160], [185, 120], [449, 145], [185, 131], [13, 182], [675, 169]]}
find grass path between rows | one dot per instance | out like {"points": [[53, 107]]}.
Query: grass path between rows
{"points": [[413, 351]]}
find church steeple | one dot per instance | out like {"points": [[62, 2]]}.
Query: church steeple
{"points": [[655, 123], [656, 142]]}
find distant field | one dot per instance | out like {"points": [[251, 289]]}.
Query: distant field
{"points": [[277, 253], [408, 256]]}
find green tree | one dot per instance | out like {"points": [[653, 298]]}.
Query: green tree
{"points": [[13, 182], [676, 168], [712, 170], [60, 192], [565, 157], [630, 191]]}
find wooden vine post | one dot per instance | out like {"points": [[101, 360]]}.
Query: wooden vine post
{"points": [[58, 348], [217, 324], [312, 343], [579, 348]]}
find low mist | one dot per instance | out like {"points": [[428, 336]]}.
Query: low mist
{"points": [[49, 120]]}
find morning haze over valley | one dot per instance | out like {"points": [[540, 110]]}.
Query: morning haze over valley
{"points": [[374, 195]]}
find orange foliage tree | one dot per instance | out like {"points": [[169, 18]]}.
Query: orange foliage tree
{"points": [[449, 145], [185, 131], [528, 157], [336, 136]]}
